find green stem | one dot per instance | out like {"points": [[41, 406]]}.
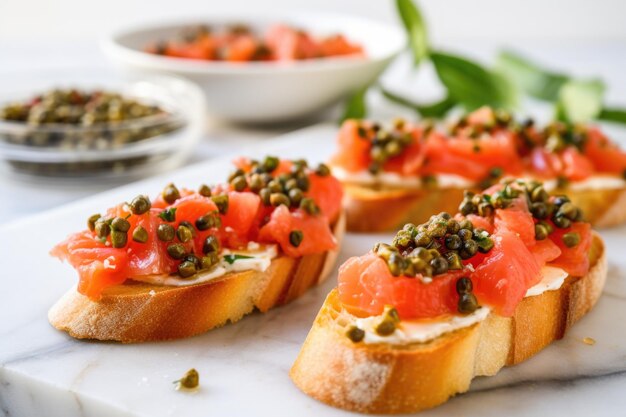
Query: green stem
{"points": [[613, 115], [436, 110]]}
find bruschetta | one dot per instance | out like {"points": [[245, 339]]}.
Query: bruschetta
{"points": [[404, 172], [188, 261], [412, 322]]}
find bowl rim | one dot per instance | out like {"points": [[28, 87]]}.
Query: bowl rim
{"points": [[113, 48]]}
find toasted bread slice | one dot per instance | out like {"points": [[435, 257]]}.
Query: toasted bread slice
{"points": [[385, 378], [384, 209], [140, 312]]}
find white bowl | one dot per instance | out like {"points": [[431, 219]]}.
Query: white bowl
{"points": [[267, 92]]}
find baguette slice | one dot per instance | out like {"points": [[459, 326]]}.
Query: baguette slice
{"points": [[139, 312], [384, 209], [384, 378]]}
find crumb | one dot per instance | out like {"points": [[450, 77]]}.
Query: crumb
{"points": [[152, 292], [589, 341]]}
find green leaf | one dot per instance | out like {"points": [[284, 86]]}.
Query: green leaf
{"points": [[580, 100], [232, 258], [356, 107], [415, 27], [169, 215], [435, 110], [531, 79], [613, 115], [471, 84]]}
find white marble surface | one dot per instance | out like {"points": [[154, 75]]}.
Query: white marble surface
{"points": [[244, 366]]}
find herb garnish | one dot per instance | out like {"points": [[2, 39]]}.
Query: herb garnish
{"points": [[169, 215], [235, 257]]}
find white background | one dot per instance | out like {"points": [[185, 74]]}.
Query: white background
{"points": [[508, 20]]}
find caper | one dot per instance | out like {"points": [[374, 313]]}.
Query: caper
{"points": [[453, 226], [209, 261], [239, 183], [308, 204], [120, 224], [385, 327], [421, 253], [396, 264], [256, 183], [374, 168], [355, 334], [439, 265], [118, 239], [539, 194], [541, 232], [454, 260], [190, 380], [467, 303], [322, 170], [176, 250], [208, 221], [418, 264], [170, 193], [559, 200], [204, 190], [464, 285], [571, 239], [378, 154], [276, 199], [469, 249], [485, 244], [102, 229], [186, 269], [303, 183], [393, 148], [467, 207], [300, 164], [465, 234], [140, 205], [295, 196], [237, 173], [91, 221], [453, 242], [422, 239], [184, 234], [496, 172], [561, 222], [270, 163], [275, 186], [193, 259], [437, 229], [485, 209], [165, 232], [265, 194], [539, 210], [362, 132], [296, 237], [140, 234], [221, 201], [568, 210], [285, 176], [291, 184], [402, 239], [211, 244]]}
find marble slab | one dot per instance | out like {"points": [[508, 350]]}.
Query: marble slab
{"points": [[244, 366]]}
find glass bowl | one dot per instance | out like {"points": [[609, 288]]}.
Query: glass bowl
{"points": [[134, 147]]}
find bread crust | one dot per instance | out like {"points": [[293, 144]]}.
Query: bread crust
{"points": [[384, 378], [385, 209], [140, 312]]}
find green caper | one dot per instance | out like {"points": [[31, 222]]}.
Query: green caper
{"points": [[209, 260], [539, 210], [467, 303], [270, 163], [396, 264], [118, 239], [541, 232], [467, 207], [204, 190], [236, 173], [221, 201], [561, 222], [165, 232], [300, 164], [295, 196], [453, 242], [539, 194], [559, 200], [170, 193], [186, 269], [275, 186], [453, 226], [239, 183], [402, 239], [208, 221], [374, 168], [276, 199], [211, 244], [355, 334], [140, 205], [308, 204], [140, 234], [437, 229], [102, 228], [469, 249], [193, 259], [322, 170], [439, 265], [454, 261], [265, 195], [285, 176], [385, 328], [190, 380], [465, 234], [422, 239], [296, 237], [256, 183], [184, 234], [291, 184], [485, 209], [120, 224], [571, 239], [485, 244], [91, 221], [378, 154], [393, 148], [464, 285], [568, 210], [176, 250], [303, 183]]}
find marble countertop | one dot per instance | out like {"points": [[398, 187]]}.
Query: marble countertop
{"points": [[244, 366]]}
